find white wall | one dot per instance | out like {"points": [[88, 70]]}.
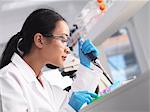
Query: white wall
{"points": [[12, 20], [140, 32]]}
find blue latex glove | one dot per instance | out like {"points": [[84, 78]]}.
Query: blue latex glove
{"points": [[84, 48], [81, 97]]}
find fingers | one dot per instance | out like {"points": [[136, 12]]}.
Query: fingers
{"points": [[93, 95], [88, 96], [90, 93], [79, 98], [88, 47]]}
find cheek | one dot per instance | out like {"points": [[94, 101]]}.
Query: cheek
{"points": [[55, 57], [55, 52]]}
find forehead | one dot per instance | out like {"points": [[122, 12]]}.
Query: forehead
{"points": [[61, 28]]}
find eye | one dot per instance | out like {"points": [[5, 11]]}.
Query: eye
{"points": [[64, 40]]}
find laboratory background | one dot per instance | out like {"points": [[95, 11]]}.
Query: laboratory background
{"points": [[120, 29]]}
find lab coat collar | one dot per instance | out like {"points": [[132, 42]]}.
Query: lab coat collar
{"points": [[30, 77], [24, 68]]}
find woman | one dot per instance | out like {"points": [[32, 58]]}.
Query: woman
{"points": [[42, 40]]}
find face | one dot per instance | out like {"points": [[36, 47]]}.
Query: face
{"points": [[55, 50]]}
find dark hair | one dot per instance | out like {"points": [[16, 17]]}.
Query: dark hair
{"points": [[39, 21]]}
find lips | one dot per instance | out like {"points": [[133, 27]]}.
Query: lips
{"points": [[64, 57]]}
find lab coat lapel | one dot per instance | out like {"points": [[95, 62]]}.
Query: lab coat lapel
{"points": [[42, 93], [57, 94], [50, 92]]}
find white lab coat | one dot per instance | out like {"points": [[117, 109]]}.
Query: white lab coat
{"points": [[20, 91]]}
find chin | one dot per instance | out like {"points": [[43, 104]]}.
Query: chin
{"points": [[61, 65]]}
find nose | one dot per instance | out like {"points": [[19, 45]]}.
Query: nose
{"points": [[67, 50]]}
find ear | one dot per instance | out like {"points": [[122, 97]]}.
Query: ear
{"points": [[39, 40]]}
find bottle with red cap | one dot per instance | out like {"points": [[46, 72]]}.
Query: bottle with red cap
{"points": [[102, 5]]}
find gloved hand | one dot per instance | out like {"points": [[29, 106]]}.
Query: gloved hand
{"points": [[84, 48], [81, 97]]}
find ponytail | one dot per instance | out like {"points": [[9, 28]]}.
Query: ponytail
{"points": [[10, 48]]}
